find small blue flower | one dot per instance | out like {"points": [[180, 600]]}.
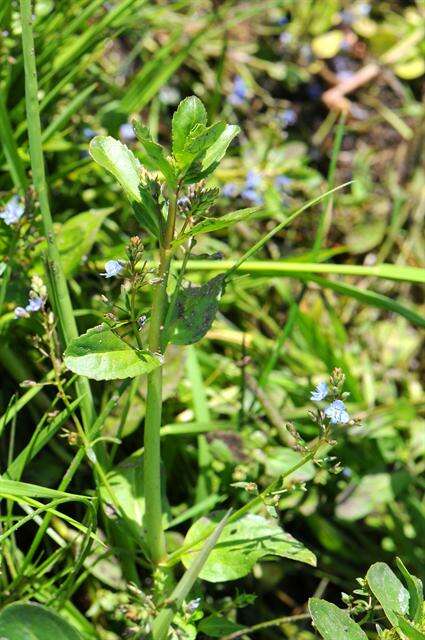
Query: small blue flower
{"points": [[288, 117], [13, 211], [252, 184], [337, 413], [20, 312], [320, 392], [253, 196], [253, 179], [89, 133], [282, 182], [229, 190], [112, 268], [193, 605], [239, 92], [127, 132], [285, 38], [34, 304]]}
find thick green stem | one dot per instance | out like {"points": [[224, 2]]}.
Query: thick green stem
{"points": [[152, 456], [59, 289]]}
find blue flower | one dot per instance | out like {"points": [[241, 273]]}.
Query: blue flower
{"points": [[282, 182], [127, 132], [320, 392], [239, 92], [34, 304], [193, 605], [229, 190], [285, 38], [89, 133], [253, 196], [288, 117], [252, 183], [112, 268], [253, 179], [13, 211], [337, 413], [20, 312]]}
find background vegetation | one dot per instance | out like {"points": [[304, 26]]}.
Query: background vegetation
{"points": [[341, 286]]}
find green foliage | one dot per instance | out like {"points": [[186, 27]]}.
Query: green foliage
{"points": [[102, 355], [388, 590], [241, 545], [334, 623], [194, 310], [33, 622], [313, 222]]}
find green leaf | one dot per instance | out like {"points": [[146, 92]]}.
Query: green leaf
{"points": [[194, 311], [416, 592], [409, 629], [201, 166], [16, 489], [116, 158], [213, 224], [155, 153], [102, 355], [202, 137], [373, 490], [241, 545], [388, 590], [148, 210], [334, 623], [216, 151], [34, 622], [77, 236], [216, 626], [190, 113]]}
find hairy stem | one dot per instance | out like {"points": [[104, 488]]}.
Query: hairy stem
{"points": [[152, 456], [60, 295]]}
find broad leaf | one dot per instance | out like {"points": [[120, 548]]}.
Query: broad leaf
{"points": [[34, 622], [155, 153], [416, 592], [217, 150], [409, 629], [102, 355], [201, 138], [213, 224], [116, 158], [334, 623], [203, 165], [388, 590], [241, 545], [190, 113], [194, 311]]}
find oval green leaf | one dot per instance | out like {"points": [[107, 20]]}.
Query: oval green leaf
{"points": [[116, 158], [334, 623], [190, 113], [34, 622], [102, 355], [388, 590], [241, 545], [194, 311]]}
